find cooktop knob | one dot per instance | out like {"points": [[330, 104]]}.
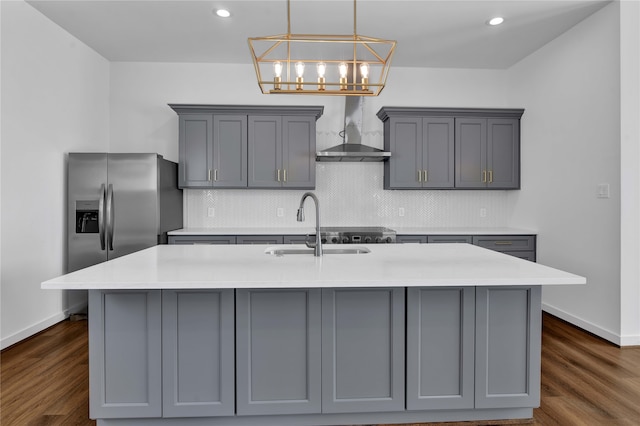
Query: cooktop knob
{"points": [[345, 240], [378, 239], [367, 239], [334, 240]]}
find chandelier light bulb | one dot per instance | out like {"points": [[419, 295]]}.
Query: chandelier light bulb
{"points": [[300, 69], [277, 69], [322, 69], [342, 69], [364, 70]]}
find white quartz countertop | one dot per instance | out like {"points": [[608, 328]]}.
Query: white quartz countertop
{"points": [[247, 266], [298, 230]]}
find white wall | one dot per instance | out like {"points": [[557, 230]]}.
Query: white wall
{"points": [[570, 89], [55, 94], [630, 172], [349, 193]]}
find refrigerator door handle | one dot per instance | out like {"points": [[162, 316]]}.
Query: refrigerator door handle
{"points": [[101, 216], [110, 217]]}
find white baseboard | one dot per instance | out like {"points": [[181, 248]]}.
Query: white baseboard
{"points": [[592, 328], [41, 325]]}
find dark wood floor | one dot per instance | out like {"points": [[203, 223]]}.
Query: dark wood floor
{"points": [[585, 380]]}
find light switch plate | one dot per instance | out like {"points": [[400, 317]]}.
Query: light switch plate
{"points": [[602, 190]]}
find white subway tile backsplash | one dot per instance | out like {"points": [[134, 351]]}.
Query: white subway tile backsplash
{"points": [[350, 194]]}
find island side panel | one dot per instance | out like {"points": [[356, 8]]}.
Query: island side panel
{"points": [[508, 345], [363, 342], [440, 347], [278, 351], [125, 369], [198, 353]]}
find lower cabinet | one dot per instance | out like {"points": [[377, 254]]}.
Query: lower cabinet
{"points": [[508, 345], [278, 351], [253, 352], [197, 353], [125, 352], [440, 347], [363, 366]]}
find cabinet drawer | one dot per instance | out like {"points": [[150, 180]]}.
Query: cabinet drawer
{"points": [[405, 239], [259, 239], [449, 239], [294, 239], [504, 243], [202, 239]]}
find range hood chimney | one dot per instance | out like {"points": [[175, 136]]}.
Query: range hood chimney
{"points": [[352, 149]]}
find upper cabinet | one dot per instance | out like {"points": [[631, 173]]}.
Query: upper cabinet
{"points": [[451, 148], [243, 146]]}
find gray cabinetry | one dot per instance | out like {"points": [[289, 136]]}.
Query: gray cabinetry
{"points": [[442, 148], [432, 239], [363, 350], [422, 152], [440, 347], [278, 368], [212, 151], [125, 372], [488, 153], [522, 246], [508, 334], [198, 353], [294, 239], [282, 152], [405, 239], [259, 239], [202, 239], [240, 146]]}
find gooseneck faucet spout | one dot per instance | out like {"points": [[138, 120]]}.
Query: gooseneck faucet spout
{"points": [[300, 218]]}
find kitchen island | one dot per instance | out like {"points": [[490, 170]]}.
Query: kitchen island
{"points": [[232, 335]]}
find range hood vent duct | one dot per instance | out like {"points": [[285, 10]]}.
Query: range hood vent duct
{"points": [[352, 149]]}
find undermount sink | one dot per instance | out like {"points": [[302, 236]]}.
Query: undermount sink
{"points": [[286, 251]]}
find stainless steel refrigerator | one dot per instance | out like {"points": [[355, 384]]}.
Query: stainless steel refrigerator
{"points": [[119, 204]]}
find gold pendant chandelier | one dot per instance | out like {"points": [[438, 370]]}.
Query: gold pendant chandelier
{"points": [[345, 65]]}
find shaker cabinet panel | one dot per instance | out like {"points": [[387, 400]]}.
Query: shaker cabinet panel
{"points": [[440, 347], [405, 142], [198, 353], [503, 155], [278, 351], [125, 372], [195, 150], [363, 337], [265, 151], [471, 153], [508, 345], [299, 152], [438, 152], [229, 151]]}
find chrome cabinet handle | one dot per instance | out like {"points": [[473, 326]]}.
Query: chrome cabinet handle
{"points": [[484, 176], [215, 175], [490, 176], [503, 243], [209, 175], [419, 175], [285, 175], [425, 175], [101, 216], [278, 175]]}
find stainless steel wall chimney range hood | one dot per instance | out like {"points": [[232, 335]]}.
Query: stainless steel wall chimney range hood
{"points": [[352, 150]]}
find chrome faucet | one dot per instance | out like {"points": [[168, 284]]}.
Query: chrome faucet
{"points": [[300, 217]]}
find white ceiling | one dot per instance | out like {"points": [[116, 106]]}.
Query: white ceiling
{"points": [[430, 33]]}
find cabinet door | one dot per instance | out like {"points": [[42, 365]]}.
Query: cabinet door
{"points": [[440, 347], [197, 353], [195, 150], [265, 151], [503, 153], [363, 340], [404, 169], [229, 151], [438, 153], [508, 333], [278, 351], [471, 153], [125, 343], [294, 239], [298, 152]]}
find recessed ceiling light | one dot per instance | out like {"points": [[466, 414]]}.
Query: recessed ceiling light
{"points": [[223, 13], [495, 21]]}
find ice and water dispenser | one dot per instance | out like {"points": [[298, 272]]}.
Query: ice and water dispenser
{"points": [[87, 216]]}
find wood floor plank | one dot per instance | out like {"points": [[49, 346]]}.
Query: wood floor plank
{"points": [[44, 381]]}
